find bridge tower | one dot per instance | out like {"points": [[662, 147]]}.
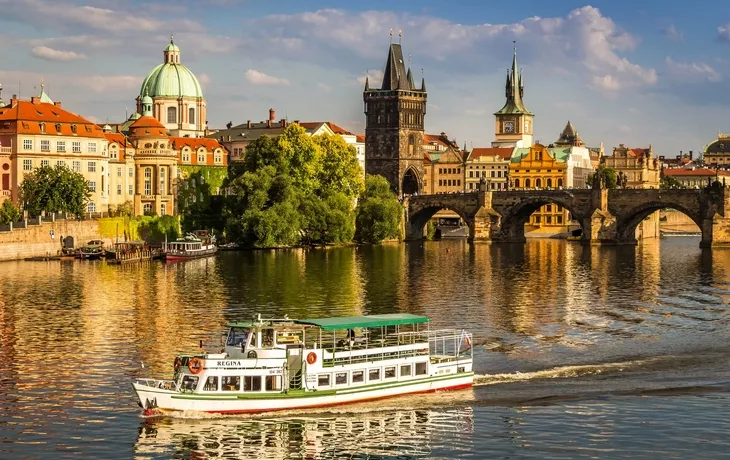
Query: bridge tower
{"points": [[394, 126], [513, 122]]}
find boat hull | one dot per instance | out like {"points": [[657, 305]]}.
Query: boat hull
{"points": [[168, 257], [159, 401]]}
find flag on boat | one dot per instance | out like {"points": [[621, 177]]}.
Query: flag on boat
{"points": [[465, 337]]}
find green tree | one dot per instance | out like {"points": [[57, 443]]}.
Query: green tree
{"points": [[9, 213], [669, 182], [55, 189], [378, 212], [610, 177], [293, 189]]}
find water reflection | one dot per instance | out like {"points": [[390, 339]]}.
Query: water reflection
{"points": [[392, 434]]}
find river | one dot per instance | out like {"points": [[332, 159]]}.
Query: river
{"points": [[579, 352]]}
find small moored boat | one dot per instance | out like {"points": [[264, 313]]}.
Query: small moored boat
{"points": [[94, 249], [193, 246], [283, 364]]}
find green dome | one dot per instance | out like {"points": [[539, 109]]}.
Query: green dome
{"points": [[147, 99], [172, 47], [171, 80]]}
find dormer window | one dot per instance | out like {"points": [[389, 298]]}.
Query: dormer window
{"points": [[73, 129], [58, 128], [43, 127]]}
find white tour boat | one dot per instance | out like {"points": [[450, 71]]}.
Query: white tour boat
{"points": [[278, 364], [193, 246]]}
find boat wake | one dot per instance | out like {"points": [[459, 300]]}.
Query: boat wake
{"points": [[573, 371]]}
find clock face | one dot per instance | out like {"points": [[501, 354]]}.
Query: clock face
{"points": [[509, 127]]}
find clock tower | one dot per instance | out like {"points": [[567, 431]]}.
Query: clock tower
{"points": [[513, 122]]}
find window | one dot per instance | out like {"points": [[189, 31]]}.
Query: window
{"points": [[148, 181], [119, 189], [230, 383], [186, 157], [538, 183], [373, 374], [92, 166], [76, 147], [113, 155], [191, 116], [73, 129], [218, 158], [560, 182], [43, 128], [389, 372], [190, 382], [549, 182], [131, 172], [44, 163], [131, 189], [211, 383], [45, 145], [60, 163], [76, 166], [405, 370], [147, 208], [27, 144], [252, 383], [163, 209], [548, 219], [92, 147], [341, 378], [61, 146], [162, 181], [172, 114], [323, 380], [358, 376], [421, 368], [92, 206], [92, 186], [27, 165], [201, 158], [549, 208], [559, 219], [119, 172], [517, 182], [527, 183]]}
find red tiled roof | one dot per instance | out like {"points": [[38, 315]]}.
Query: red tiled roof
{"points": [[27, 116], [337, 129], [360, 137], [147, 122], [707, 172], [427, 158], [637, 152], [503, 152], [194, 143]]}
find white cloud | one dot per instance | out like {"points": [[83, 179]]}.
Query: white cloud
{"points": [[692, 71], [672, 34], [50, 54], [256, 77], [374, 78], [723, 33]]}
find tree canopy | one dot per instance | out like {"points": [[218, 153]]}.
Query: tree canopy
{"points": [[54, 189], [9, 212], [379, 212], [294, 189], [609, 176], [669, 182]]}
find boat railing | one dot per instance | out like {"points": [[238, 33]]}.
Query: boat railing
{"points": [[170, 385]]}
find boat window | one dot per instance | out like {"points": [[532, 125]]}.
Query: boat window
{"points": [[267, 337], [255, 339], [374, 374], [252, 383], [190, 382], [231, 383], [358, 376], [341, 378], [273, 383], [211, 384], [405, 370], [323, 380], [288, 337], [237, 336], [389, 372], [421, 368]]}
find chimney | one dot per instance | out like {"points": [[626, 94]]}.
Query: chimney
{"points": [[283, 123], [57, 104], [35, 100], [272, 116], [248, 124], [690, 154]]}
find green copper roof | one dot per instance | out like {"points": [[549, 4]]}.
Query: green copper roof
{"points": [[171, 80], [44, 97], [354, 322], [514, 89], [559, 153]]}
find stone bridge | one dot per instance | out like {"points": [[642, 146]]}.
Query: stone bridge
{"points": [[607, 216]]}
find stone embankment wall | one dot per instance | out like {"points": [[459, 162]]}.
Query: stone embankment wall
{"points": [[36, 239]]}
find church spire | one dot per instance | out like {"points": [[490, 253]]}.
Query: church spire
{"points": [[514, 89]]}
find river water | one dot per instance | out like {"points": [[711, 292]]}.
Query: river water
{"points": [[579, 352]]}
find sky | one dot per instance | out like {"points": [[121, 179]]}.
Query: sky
{"points": [[636, 73]]}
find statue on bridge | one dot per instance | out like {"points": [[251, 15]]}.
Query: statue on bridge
{"points": [[599, 182]]}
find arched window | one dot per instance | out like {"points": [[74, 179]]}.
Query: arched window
{"points": [[148, 181], [550, 183], [538, 182], [517, 183], [560, 182], [147, 208], [162, 181], [191, 115], [172, 114], [527, 183]]}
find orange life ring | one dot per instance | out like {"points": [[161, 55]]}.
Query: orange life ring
{"points": [[195, 365], [177, 364], [312, 357]]}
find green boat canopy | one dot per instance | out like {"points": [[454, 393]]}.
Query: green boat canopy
{"points": [[354, 322]]}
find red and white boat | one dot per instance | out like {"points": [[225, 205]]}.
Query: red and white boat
{"points": [[192, 246], [284, 364]]}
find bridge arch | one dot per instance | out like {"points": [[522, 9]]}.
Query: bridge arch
{"points": [[516, 216], [422, 208], [631, 218]]}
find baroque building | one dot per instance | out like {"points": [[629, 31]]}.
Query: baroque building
{"points": [[443, 165], [394, 126], [717, 152], [513, 122], [639, 165], [491, 164], [177, 97]]}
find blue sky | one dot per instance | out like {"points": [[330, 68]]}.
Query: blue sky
{"points": [[637, 73]]}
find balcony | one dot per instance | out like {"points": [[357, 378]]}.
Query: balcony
{"points": [[4, 192], [6, 150], [156, 152]]}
